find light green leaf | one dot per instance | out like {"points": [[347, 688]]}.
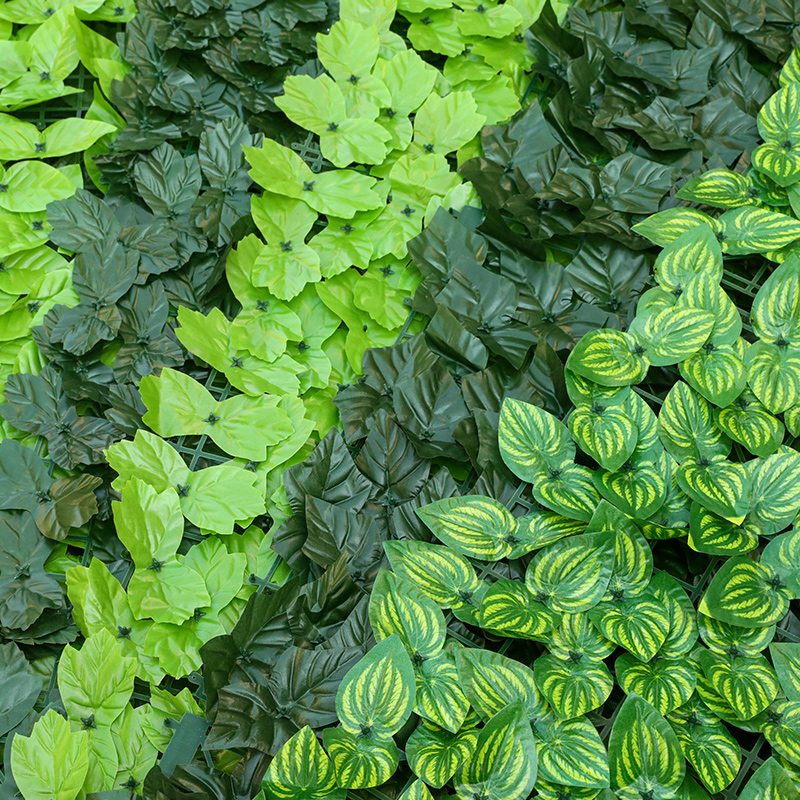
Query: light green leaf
{"points": [[28, 186], [444, 124]]}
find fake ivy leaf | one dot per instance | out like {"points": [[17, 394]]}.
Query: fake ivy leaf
{"points": [[51, 763], [572, 574], [28, 186], [302, 770], [644, 753], [472, 525], [377, 695], [444, 124], [572, 688], [409, 80], [360, 762], [745, 593], [96, 681], [503, 764], [22, 684], [340, 194], [318, 105], [398, 607], [22, 140]]}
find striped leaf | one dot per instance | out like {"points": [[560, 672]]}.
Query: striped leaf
{"points": [[532, 441], [577, 637], [747, 421], [503, 764], [440, 697], [791, 69], [640, 624], [777, 162], [694, 253], [439, 572], [508, 608], [682, 635], [377, 694], [608, 357], [717, 373], [469, 611], [791, 418], [779, 118], [666, 226], [719, 485], [643, 752], [786, 660], [720, 707], [782, 558], [607, 434], [775, 314], [582, 391], [686, 426], [776, 490], [435, 754], [749, 684], [756, 230], [733, 640], [770, 782], [707, 745], [572, 575], [301, 771], [476, 526], [360, 762], [568, 491], [633, 565], [665, 683], [417, 791], [573, 687], [571, 754], [773, 373], [673, 334], [706, 294], [781, 728], [716, 536], [745, 593], [640, 487], [491, 681], [645, 420], [719, 188], [540, 528], [398, 607], [558, 791]]}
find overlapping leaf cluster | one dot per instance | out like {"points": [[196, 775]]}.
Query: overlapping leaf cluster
{"points": [[590, 571]]}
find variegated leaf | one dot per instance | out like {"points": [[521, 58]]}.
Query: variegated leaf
{"points": [[302, 771], [377, 694], [695, 252], [582, 391], [756, 230], [440, 697], [491, 681], [716, 536], [720, 188], [705, 293], [476, 526], [720, 707], [686, 426], [749, 684], [360, 762], [673, 334], [532, 441], [665, 683], [707, 745], [773, 373], [607, 434], [438, 571], [573, 687], [745, 593], [719, 485], [417, 791], [733, 640], [776, 308], [778, 162], [782, 558], [509, 608], [666, 226], [682, 634], [435, 754], [571, 754], [540, 528], [640, 624], [717, 373], [633, 565], [577, 637], [770, 782], [609, 357], [791, 69], [640, 487], [503, 764], [572, 575], [568, 491], [786, 660], [643, 752], [747, 421], [776, 490], [780, 725]]}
